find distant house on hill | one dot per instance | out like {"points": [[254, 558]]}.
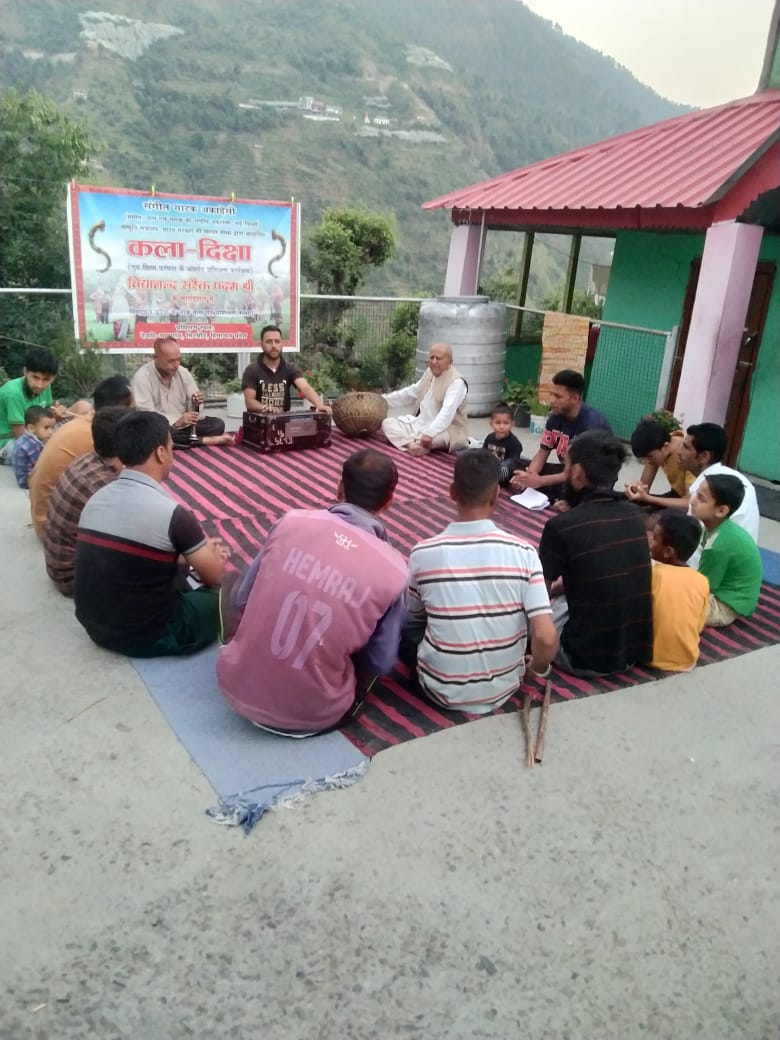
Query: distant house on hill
{"points": [[694, 206]]}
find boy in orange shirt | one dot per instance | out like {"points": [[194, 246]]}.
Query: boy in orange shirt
{"points": [[680, 594]]}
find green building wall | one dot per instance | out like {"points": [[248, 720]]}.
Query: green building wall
{"points": [[760, 452], [647, 287]]}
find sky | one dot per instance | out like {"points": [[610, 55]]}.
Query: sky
{"points": [[697, 52]]}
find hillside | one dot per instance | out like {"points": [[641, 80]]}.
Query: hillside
{"points": [[338, 102]]}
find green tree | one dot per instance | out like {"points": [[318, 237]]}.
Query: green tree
{"points": [[41, 149], [502, 285], [402, 344], [581, 304], [336, 258], [346, 243]]}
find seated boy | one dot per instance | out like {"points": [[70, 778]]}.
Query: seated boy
{"points": [[659, 450], [502, 442], [680, 594], [38, 427], [730, 559], [32, 387]]}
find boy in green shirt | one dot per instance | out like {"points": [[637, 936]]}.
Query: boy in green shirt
{"points": [[730, 559], [17, 395]]}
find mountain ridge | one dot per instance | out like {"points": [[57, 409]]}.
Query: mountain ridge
{"points": [[471, 88]]}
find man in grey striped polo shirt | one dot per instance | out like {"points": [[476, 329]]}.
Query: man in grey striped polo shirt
{"points": [[474, 591], [131, 535]]}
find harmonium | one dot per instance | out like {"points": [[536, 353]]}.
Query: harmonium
{"points": [[287, 431]]}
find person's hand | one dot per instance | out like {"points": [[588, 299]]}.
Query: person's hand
{"points": [[59, 410], [426, 441], [524, 478], [186, 420], [198, 399], [324, 409], [556, 589], [561, 506], [636, 492]]}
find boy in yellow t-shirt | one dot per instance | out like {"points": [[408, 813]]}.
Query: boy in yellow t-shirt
{"points": [[659, 450], [680, 594]]}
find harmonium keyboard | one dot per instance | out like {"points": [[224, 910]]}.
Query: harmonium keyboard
{"points": [[288, 431]]}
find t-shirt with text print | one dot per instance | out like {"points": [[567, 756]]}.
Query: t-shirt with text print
{"points": [[560, 430], [272, 388]]}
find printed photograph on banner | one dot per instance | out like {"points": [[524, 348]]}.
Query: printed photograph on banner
{"points": [[209, 271]]}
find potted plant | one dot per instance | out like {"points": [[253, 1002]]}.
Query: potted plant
{"points": [[524, 399], [667, 419], [539, 411], [320, 381], [236, 406]]}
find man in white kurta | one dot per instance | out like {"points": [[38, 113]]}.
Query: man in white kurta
{"points": [[439, 420]]}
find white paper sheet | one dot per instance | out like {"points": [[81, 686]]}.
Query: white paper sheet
{"points": [[531, 499]]}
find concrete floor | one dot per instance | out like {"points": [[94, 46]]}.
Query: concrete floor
{"points": [[626, 888]]}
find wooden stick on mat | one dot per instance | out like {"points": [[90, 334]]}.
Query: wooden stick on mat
{"points": [[529, 740], [542, 731]]}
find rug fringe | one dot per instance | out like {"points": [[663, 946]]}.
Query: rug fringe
{"points": [[239, 811]]}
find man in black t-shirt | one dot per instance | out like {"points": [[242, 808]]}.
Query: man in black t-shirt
{"points": [[569, 417], [596, 563], [266, 382]]}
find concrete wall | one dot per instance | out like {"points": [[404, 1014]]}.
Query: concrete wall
{"points": [[761, 444], [649, 277], [647, 287]]}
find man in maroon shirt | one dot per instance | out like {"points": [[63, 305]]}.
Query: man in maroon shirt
{"points": [[74, 488]]}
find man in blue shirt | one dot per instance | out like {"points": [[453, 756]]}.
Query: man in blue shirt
{"points": [[569, 416]]}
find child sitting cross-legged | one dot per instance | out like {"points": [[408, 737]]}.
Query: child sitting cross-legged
{"points": [[730, 559], [680, 594], [38, 427], [502, 443]]}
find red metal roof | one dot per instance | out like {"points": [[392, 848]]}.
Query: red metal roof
{"points": [[690, 161]]}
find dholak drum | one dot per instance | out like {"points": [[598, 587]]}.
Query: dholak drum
{"points": [[359, 413]]}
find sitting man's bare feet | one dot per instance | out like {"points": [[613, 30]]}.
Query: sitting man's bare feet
{"points": [[222, 438], [416, 449]]}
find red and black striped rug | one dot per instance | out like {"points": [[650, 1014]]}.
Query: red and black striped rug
{"points": [[239, 494]]}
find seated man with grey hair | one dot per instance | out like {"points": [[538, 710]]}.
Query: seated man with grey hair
{"points": [[439, 419]]}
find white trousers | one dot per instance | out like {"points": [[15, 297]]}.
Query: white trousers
{"points": [[401, 432]]}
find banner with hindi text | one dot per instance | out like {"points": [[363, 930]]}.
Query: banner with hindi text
{"points": [[209, 271]]}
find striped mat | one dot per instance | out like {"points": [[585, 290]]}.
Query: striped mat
{"points": [[238, 495]]}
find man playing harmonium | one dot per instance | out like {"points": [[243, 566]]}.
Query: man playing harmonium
{"points": [[266, 382]]}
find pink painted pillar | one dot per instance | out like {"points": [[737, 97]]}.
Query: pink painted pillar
{"points": [[465, 260], [728, 267]]}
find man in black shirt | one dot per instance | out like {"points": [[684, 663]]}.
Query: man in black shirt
{"points": [[266, 382], [596, 554]]}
